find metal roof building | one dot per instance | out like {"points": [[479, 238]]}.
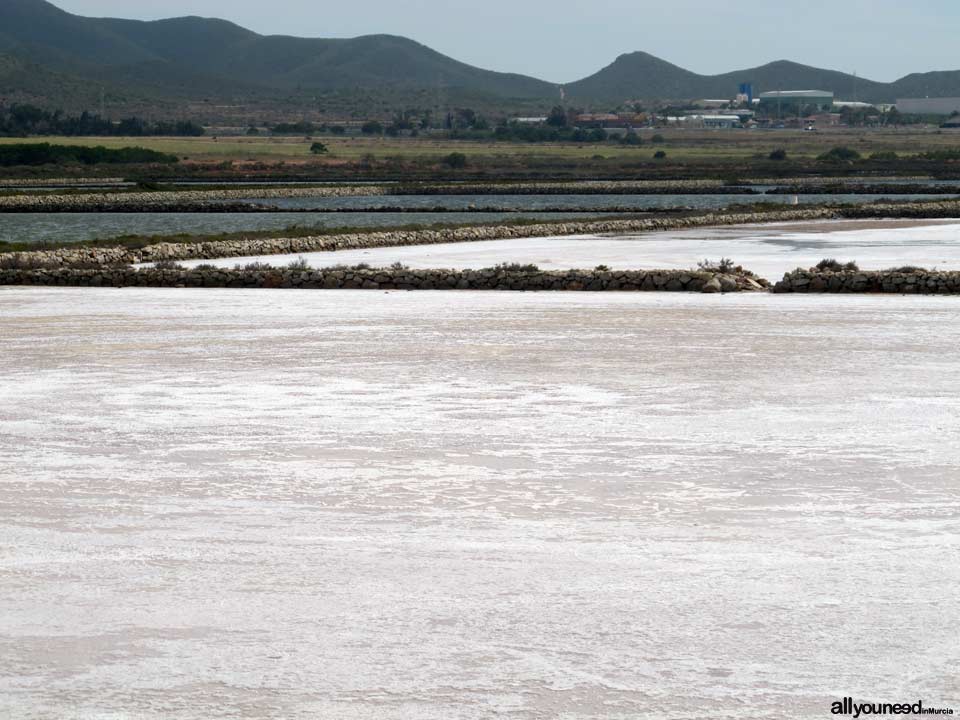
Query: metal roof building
{"points": [[929, 106], [791, 102]]}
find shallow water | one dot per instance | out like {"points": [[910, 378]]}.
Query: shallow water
{"points": [[350, 504], [66, 227], [76, 227]]}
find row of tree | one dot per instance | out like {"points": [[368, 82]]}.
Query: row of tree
{"points": [[47, 154], [26, 120]]}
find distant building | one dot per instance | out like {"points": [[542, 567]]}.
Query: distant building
{"points": [[723, 122], [841, 104], [609, 121], [784, 103], [596, 119], [715, 103], [929, 106], [824, 120]]}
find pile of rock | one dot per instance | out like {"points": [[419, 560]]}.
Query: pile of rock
{"points": [[905, 281], [583, 187], [60, 181], [392, 278], [171, 201]]}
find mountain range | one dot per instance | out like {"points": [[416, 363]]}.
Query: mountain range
{"points": [[55, 58]]}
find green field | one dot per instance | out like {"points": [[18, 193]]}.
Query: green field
{"points": [[680, 146]]}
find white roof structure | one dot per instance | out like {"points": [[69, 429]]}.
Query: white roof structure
{"points": [[796, 94], [929, 106]]}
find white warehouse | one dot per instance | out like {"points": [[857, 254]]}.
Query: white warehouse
{"points": [[929, 106]]}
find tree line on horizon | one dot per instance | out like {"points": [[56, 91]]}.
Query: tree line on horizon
{"points": [[27, 120]]}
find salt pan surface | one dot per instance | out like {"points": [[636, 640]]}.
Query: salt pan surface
{"points": [[769, 250], [292, 504]]}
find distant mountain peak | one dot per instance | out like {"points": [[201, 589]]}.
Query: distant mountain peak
{"points": [[193, 59]]}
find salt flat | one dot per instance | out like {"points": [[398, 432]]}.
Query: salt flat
{"points": [[769, 249], [350, 504]]}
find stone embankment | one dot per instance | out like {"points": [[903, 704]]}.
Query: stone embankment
{"points": [[61, 181], [865, 189], [833, 180], [592, 187], [154, 201], [900, 281], [187, 200], [392, 278]]}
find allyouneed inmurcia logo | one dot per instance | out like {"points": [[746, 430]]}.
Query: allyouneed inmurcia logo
{"points": [[847, 706]]}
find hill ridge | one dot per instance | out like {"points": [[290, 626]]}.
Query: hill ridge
{"points": [[193, 58]]}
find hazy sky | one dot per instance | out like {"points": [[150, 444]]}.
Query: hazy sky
{"points": [[561, 42]]}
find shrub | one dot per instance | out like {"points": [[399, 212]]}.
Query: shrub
{"points": [[515, 267], [601, 268], [659, 155], [347, 268], [455, 160], [940, 155], [658, 139], [836, 266], [318, 148], [167, 265], [372, 128], [253, 267], [778, 155], [47, 154], [725, 265], [886, 155], [398, 266], [840, 155], [297, 128], [907, 269], [299, 264], [631, 138]]}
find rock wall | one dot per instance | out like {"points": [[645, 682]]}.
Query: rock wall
{"points": [[911, 282], [390, 279], [150, 201]]}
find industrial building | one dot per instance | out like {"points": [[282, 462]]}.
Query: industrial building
{"points": [[787, 103], [724, 122], [929, 106]]}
